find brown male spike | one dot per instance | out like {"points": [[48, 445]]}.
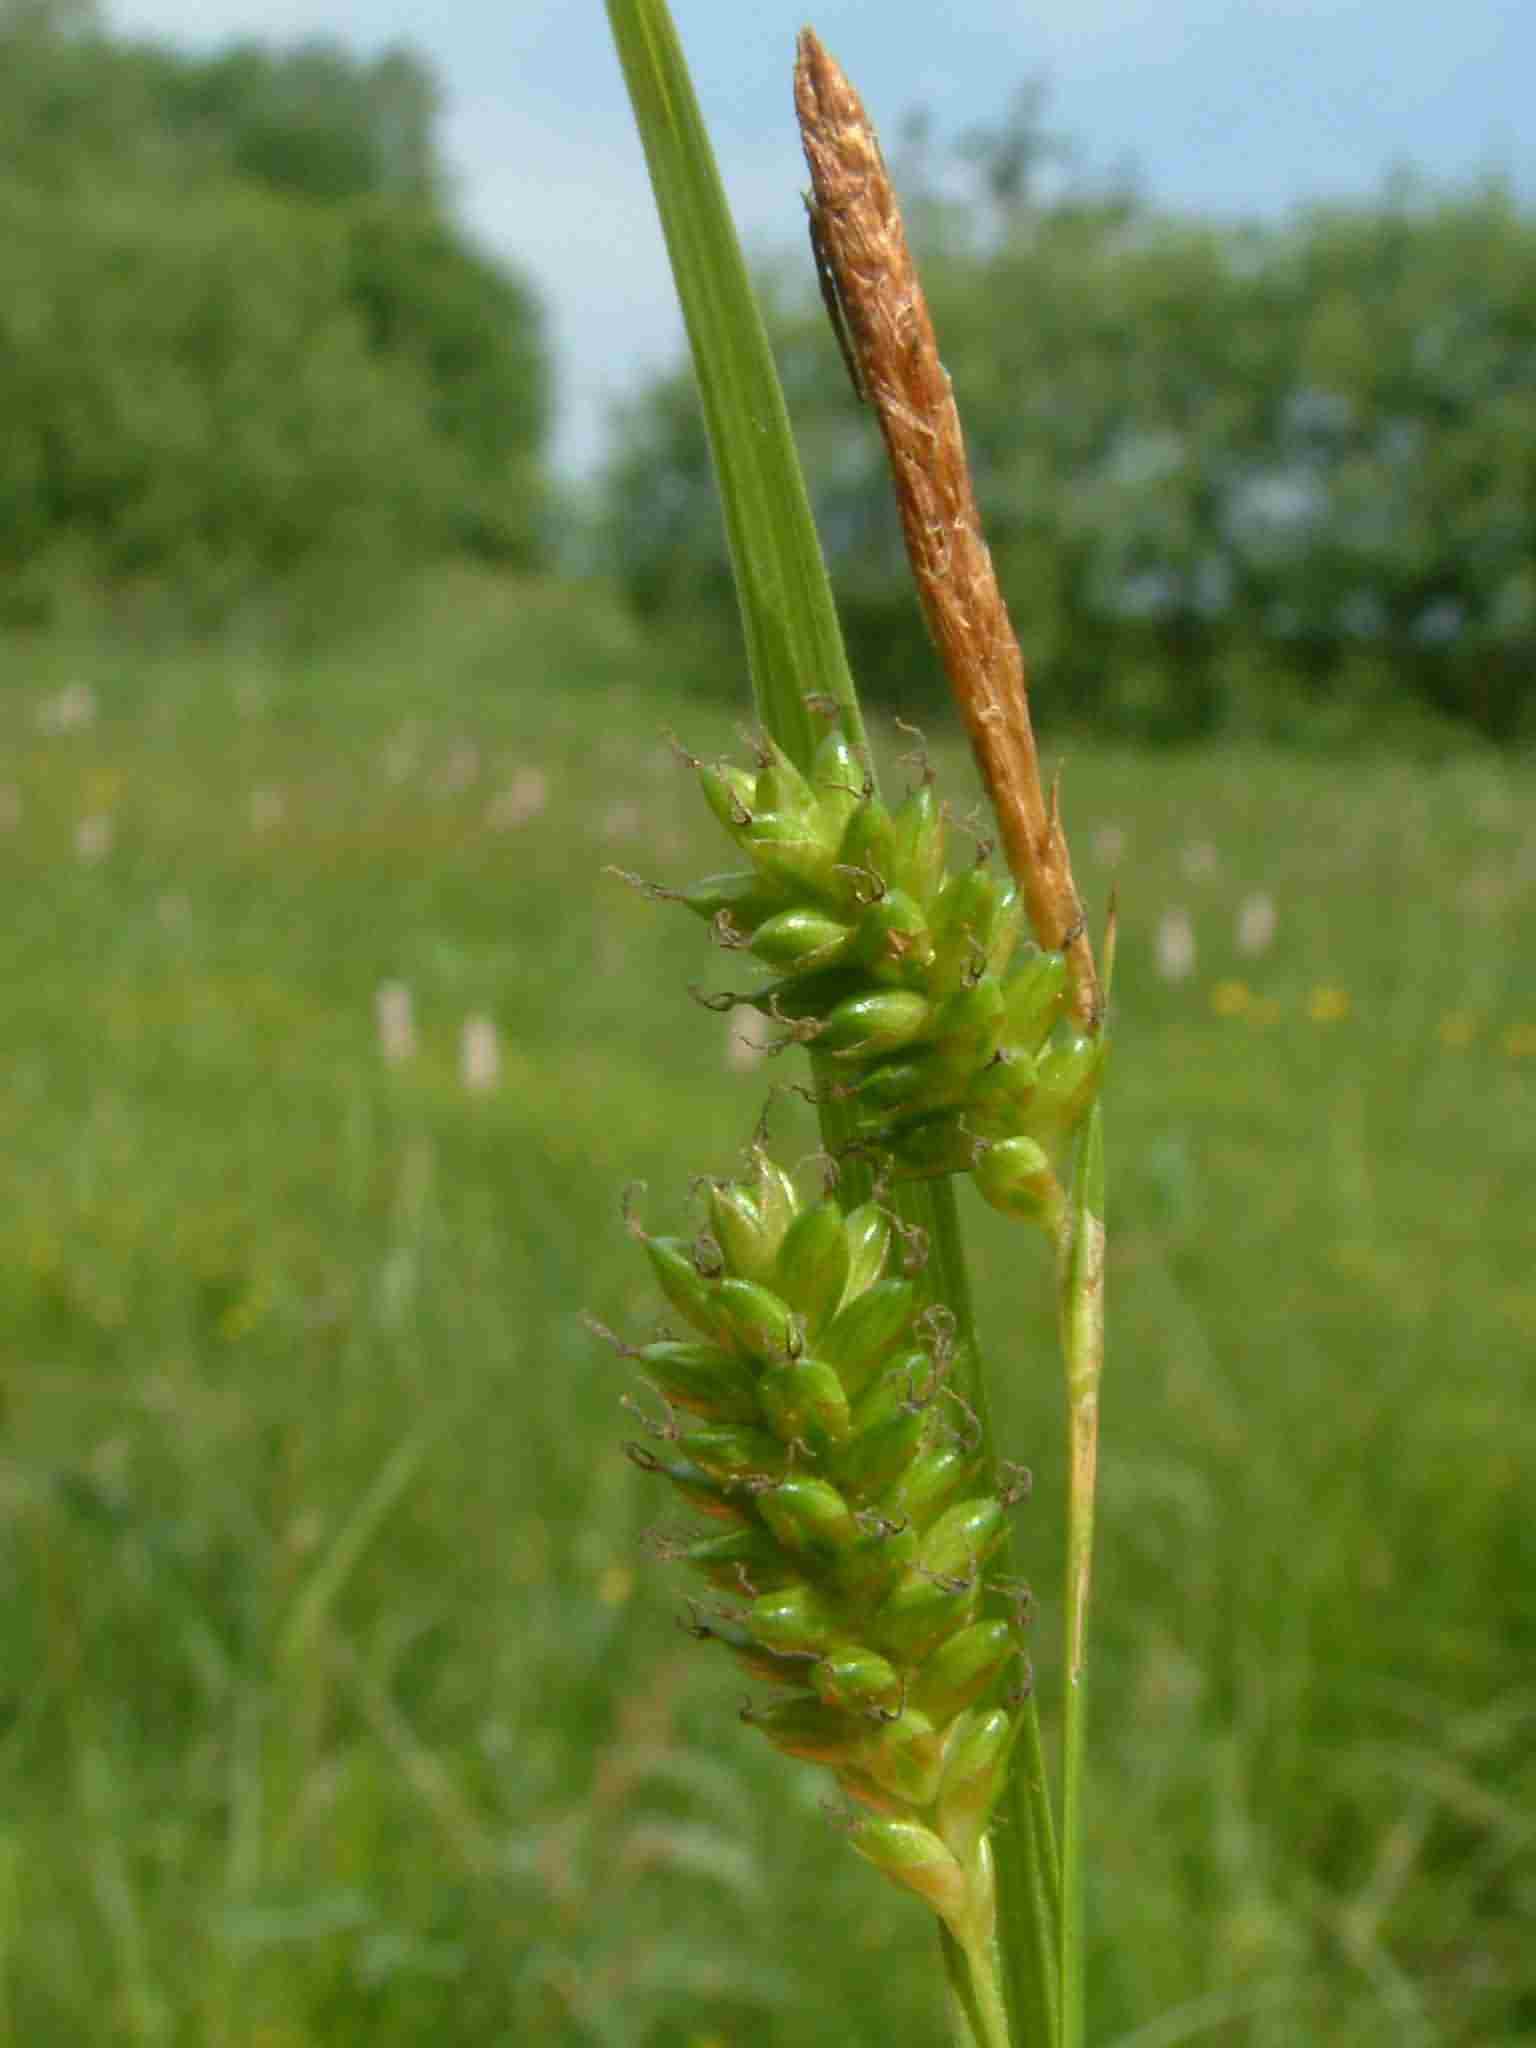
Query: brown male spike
{"points": [[883, 322]]}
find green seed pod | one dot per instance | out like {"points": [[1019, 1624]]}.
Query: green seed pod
{"points": [[800, 998], [892, 941], [755, 1660], [1035, 994], [747, 1236], [802, 1401], [902, 1388], [780, 787], [722, 1500], [917, 860], [730, 794], [868, 1025], [962, 1668], [809, 1729], [878, 1454], [809, 1516], [915, 1857], [869, 1570], [681, 1282], [1016, 1176], [839, 778], [928, 1486], [921, 1610], [800, 941], [755, 1319], [868, 1230], [903, 1084], [858, 1785], [730, 1451], [861, 1336], [964, 1537], [1000, 1098], [869, 841], [964, 916], [813, 1265], [1067, 1084], [789, 854], [795, 1619], [776, 1197], [968, 1026], [1006, 927], [891, 1426], [741, 1561], [975, 1771], [742, 897], [906, 1756], [936, 1143], [703, 1379], [857, 1679]]}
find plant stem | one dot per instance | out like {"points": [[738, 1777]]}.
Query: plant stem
{"points": [[796, 654], [1082, 1342]]}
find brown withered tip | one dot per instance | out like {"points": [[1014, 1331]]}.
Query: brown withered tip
{"points": [[878, 305]]}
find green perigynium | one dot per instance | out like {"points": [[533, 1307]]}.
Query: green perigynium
{"points": [[808, 1417]]}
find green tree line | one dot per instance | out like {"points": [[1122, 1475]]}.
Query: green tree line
{"points": [[1277, 477], [241, 335]]}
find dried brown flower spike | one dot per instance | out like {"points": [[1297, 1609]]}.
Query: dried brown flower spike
{"points": [[884, 323]]}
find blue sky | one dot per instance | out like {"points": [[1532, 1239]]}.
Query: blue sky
{"points": [[1230, 106]]}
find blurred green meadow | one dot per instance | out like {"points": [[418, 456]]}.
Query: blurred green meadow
{"points": [[341, 1700]]}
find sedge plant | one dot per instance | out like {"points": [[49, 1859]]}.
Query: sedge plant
{"points": [[825, 1408]]}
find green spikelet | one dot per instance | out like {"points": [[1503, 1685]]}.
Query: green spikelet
{"points": [[859, 1524], [942, 1029]]}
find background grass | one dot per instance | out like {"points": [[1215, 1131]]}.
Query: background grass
{"points": [[341, 1702]]}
